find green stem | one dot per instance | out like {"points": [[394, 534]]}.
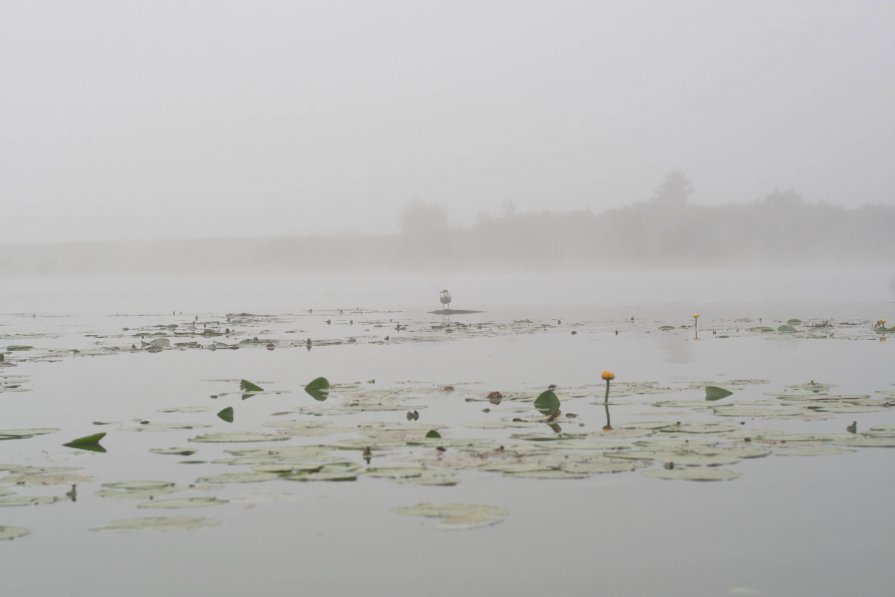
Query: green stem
{"points": [[606, 398]]}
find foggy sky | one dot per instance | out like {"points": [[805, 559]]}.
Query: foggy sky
{"points": [[125, 119]]}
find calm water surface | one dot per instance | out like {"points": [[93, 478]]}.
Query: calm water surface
{"points": [[819, 525]]}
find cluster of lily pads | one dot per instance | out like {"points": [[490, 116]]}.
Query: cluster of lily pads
{"points": [[692, 431]]}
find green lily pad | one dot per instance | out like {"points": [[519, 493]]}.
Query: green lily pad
{"points": [[547, 403], [158, 523], [715, 393], [10, 533], [27, 500], [180, 503], [140, 489], [226, 414], [318, 389], [238, 477], [25, 433], [691, 474], [457, 516], [238, 437], [174, 451], [433, 434]]}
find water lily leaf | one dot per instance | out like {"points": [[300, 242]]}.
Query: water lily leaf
{"points": [[318, 389], [140, 489], [226, 414], [691, 474], [547, 403], [247, 386], [433, 434], [179, 503], [239, 437], [786, 329], [27, 500], [88, 442], [10, 533], [238, 477], [457, 516], [158, 523], [716, 393], [25, 433], [174, 451]]}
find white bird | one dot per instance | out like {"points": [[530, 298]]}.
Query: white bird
{"points": [[445, 298]]}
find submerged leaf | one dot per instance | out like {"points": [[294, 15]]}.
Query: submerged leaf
{"points": [[716, 393]]}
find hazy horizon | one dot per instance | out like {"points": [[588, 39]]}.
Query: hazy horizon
{"points": [[169, 119]]}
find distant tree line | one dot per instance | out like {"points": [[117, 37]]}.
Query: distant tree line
{"points": [[781, 229]]}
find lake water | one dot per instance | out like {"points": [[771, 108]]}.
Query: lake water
{"points": [[807, 510]]}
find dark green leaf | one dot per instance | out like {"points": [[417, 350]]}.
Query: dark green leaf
{"points": [[227, 414], [247, 386], [433, 434], [547, 403], [88, 442], [716, 393], [318, 389]]}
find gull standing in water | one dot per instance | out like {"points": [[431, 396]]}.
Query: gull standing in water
{"points": [[445, 299]]}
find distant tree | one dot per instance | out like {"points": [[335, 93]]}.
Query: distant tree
{"points": [[674, 190]]}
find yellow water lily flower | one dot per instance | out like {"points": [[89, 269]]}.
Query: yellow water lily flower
{"points": [[607, 375]]}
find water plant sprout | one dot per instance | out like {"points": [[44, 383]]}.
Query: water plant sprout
{"points": [[608, 376]]}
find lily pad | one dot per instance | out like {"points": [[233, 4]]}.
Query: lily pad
{"points": [[457, 516], [226, 414], [140, 489], [691, 474], [10, 533], [237, 437], [27, 500], [25, 433], [180, 503], [159, 523], [318, 389]]}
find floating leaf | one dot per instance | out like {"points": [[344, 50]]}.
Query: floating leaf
{"points": [[25, 433], [174, 451], [457, 516], [433, 434], [88, 442], [318, 389], [179, 503], [159, 523], [786, 329], [27, 500], [238, 437], [547, 403], [691, 474], [10, 533], [247, 386], [716, 393], [226, 414], [139, 489]]}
